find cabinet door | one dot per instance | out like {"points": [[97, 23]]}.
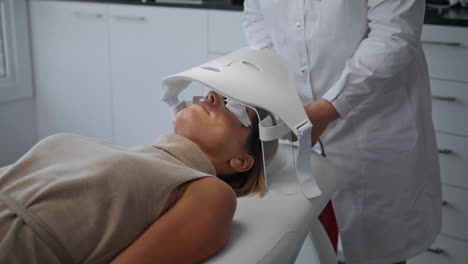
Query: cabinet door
{"points": [[453, 157], [455, 212], [444, 250], [225, 31], [450, 106], [148, 44], [71, 68], [446, 51]]}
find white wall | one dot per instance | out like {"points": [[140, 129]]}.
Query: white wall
{"points": [[17, 129]]}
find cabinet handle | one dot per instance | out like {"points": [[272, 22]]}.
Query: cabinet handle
{"points": [[88, 14], [130, 18], [442, 43], [437, 251], [445, 151], [445, 203], [444, 98]]}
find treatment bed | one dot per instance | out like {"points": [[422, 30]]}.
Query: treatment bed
{"points": [[273, 229]]}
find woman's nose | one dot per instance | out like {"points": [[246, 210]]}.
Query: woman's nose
{"points": [[211, 98]]}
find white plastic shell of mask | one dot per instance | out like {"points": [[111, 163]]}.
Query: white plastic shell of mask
{"points": [[258, 78]]}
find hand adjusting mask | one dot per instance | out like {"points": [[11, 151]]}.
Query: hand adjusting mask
{"points": [[259, 79]]}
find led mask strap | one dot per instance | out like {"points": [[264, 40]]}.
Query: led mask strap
{"points": [[269, 132], [306, 180], [170, 100], [176, 109], [196, 99]]}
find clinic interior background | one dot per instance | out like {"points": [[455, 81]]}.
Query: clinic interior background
{"points": [[95, 69]]}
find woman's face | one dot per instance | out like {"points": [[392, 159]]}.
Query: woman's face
{"points": [[216, 130]]}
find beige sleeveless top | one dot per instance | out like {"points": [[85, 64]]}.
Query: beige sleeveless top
{"points": [[77, 199]]}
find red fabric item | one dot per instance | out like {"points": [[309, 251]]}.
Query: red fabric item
{"points": [[328, 220]]}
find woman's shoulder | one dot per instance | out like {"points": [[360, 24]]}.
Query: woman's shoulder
{"points": [[212, 190]]}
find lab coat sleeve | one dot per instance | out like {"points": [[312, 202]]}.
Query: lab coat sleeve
{"points": [[393, 39], [254, 26]]}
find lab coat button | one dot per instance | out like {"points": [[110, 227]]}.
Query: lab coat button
{"points": [[303, 70], [298, 24]]}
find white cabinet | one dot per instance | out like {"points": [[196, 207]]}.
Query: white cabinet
{"points": [[446, 50], [71, 68], [453, 157], [146, 45], [450, 106], [99, 67], [455, 212], [225, 33], [445, 250]]}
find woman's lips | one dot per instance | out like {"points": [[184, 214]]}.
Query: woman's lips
{"points": [[204, 106]]}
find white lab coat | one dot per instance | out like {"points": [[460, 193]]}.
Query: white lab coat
{"points": [[365, 57]]}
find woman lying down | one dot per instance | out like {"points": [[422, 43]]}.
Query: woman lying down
{"points": [[73, 199]]}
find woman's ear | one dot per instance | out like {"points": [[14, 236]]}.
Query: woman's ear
{"points": [[242, 162]]}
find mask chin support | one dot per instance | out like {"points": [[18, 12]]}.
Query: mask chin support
{"points": [[179, 105], [258, 79]]}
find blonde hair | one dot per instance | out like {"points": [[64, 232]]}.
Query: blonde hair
{"points": [[253, 181]]}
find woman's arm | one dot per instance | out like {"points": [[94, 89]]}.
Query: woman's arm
{"points": [[196, 227], [391, 45]]}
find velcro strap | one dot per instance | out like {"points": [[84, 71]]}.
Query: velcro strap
{"points": [[269, 132], [303, 165]]}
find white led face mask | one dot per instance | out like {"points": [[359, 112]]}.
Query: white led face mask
{"points": [[262, 80]]}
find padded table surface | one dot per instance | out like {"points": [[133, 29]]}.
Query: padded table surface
{"points": [[272, 229]]}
